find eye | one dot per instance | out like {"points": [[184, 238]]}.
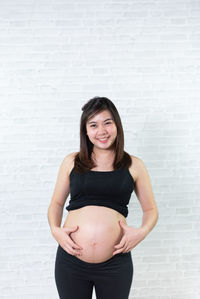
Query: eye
{"points": [[107, 123]]}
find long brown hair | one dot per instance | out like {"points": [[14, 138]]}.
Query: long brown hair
{"points": [[83, 161]]}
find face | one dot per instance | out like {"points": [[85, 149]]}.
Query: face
{"points": [[101, 130]]}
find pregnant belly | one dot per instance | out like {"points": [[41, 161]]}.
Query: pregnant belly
{"points": [[98, 232]]}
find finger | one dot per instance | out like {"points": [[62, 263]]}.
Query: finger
{"points": [[118, 246], [126, 249], [77, 253], [122, 249], [123, 225], [73, 244], [121, 244], [69, 230], [67, 249], [72, 251], [117, 251], [77, 246]]}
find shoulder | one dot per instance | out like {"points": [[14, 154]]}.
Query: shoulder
{"points": [[70, 156], [69, 161], [137, 167]]}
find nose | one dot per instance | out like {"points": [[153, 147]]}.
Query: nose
{"points": [[101, 130]]}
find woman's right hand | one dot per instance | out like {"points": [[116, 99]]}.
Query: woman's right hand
{"points": [[61, 234]]}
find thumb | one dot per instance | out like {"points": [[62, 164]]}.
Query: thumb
{"points": [[71, 229], [123, 225]]}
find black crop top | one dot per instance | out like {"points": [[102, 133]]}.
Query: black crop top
{"points": [[111, 189]]}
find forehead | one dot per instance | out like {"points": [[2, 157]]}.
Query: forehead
{"points": [[100, 116]]}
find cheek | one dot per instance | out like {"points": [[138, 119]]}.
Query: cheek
{"points": [[90, 134], [113, 131]]}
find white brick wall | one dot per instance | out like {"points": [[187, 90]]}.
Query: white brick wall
{"points": [[143, 55]]}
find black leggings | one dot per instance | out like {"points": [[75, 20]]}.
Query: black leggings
{"points": [[75, 278]]}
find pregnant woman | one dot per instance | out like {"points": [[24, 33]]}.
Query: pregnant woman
{"points": [[95, 242]]}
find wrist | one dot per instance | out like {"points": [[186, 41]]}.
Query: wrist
{"points": [[54, 228], [144, 230]]}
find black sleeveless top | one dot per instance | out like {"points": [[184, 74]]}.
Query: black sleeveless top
{"points": [[110, 189]]}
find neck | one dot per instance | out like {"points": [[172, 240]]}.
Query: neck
{"points": [[103, 155]]}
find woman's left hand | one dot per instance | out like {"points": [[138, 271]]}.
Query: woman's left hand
{"points": [[131, 237]]}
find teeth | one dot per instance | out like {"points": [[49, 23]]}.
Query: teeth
{"points": [[103, 138]]}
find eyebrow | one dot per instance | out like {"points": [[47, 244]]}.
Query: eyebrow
{"points": [[104, 120]]}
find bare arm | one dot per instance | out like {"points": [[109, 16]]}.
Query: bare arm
{"points": [[145, 196], [60, 194], [133, 236], [55, 213], [55, 210]]}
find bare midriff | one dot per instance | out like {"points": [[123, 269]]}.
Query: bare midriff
{"points": [[98, 231]]}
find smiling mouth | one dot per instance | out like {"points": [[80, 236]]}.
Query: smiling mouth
{"points": [[103, 139]]}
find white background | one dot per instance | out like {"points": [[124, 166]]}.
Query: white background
{"points": [[143, 55]]}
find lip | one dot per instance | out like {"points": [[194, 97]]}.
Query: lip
{"points": [[103, 141]]}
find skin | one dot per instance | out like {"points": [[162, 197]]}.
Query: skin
{"points": [[100, 126], [103, 154]]}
